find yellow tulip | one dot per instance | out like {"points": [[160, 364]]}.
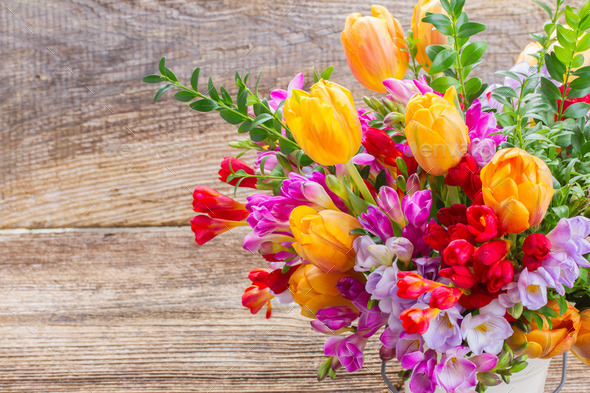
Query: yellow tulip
{"points": [[582, 347], [436, 132], [546, 343], [519, 187], [324, 123], [529, 50], [314, 289], [373, 47], [324, 239], [425, 33]]}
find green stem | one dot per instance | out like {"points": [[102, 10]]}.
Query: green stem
{"points": [[360, 183], [453, 194], [458, 67]]}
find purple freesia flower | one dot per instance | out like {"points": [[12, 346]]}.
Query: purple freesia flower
{"points": [[381, 281], [307, 191], [371, 320], [570, 238], [416, 236], [486, 331], [364, 259], [409, 350], [350, 288], [377, 222], [266, 159], [349, 350], [428, 268], [423, 378], [416, 208], [455, 373], [532, 288], [388, 201], [365, 118], [337, 317], [484, 362], [444, 332], [269, 213]]}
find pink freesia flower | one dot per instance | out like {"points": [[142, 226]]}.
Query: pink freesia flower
{"points": [[279, 95], [455, 373]]}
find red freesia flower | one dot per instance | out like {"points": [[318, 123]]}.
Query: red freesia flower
{"points": [[537, 245], [236, 164], [456, 214], [220, 214], [437, 237], [258, 294], [458, 253], [210, 202], [461, 231], [478, 298], [570, 101], [444, 297], [461, 276], [466, 176], [415, 320], [489, 253], [482, 222], [498, 275], [412, 285], [381, 146]]}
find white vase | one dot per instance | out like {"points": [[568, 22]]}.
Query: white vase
{"points": [[530, 380]]}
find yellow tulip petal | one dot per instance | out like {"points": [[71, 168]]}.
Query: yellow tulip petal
{"points": [[513, 216]]}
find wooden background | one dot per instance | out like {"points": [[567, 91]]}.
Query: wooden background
{"points": [[102, 288]]}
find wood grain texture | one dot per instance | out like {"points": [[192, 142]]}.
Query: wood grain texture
{"points": [[145, 310], [82, 144]]}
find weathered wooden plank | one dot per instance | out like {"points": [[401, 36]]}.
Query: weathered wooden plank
{"points": [[145, 310], [81, 144]]}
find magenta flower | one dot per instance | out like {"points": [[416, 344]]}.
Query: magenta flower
{"points": [[371, 320], [349, 350], [365, 117], [484, 133], [400, 91], [423, 378], [455, 373], [279, 95], [486, 331], [388, 201], [416, 208], [350, 288], [416, 236], [337, 317], [377, 222], [307, 191], [409, 350], [266, 160], [269, 213], [484, 362]]}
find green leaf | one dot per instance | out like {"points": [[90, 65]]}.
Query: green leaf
{"points": [[184, 96], [166, 71], [441, 22], [231, 117], [545, 7], [571, 18], [548, 311], [204, 105], [470, 28], [458, 8], [472, 86], [473, 52], [327, 73], [195, 79], [566, 37], [441, 84], [258, 134], [443, 61], [433, 50], [563, 55], [162, 65], [577, 110], [505, 91], [262, 118], [152, 79], [242, 102], [561, 211], [161, 92], [555, 68], [212, 91], [225, 96], [584, 43], [538, 320]]}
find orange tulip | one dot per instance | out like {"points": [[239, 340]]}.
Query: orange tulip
{"points": [[373, 47], [529, 50], [436, 132], [582, 347], [519, 187], [425, 33], [324, 239], [325, 123], [314, 289], [546, 343]]}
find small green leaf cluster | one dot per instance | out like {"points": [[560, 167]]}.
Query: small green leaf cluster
{"points": [[457, 59]]}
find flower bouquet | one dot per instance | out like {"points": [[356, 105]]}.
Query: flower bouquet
{"points": [[447, 219]]}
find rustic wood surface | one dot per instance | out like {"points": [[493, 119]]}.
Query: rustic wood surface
{"points": [[135, 309], [146, 310]]}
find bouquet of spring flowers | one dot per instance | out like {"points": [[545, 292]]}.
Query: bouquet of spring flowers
{"points": [[447, 219]]}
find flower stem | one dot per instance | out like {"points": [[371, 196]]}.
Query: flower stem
{"points": [[360, 183]]}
